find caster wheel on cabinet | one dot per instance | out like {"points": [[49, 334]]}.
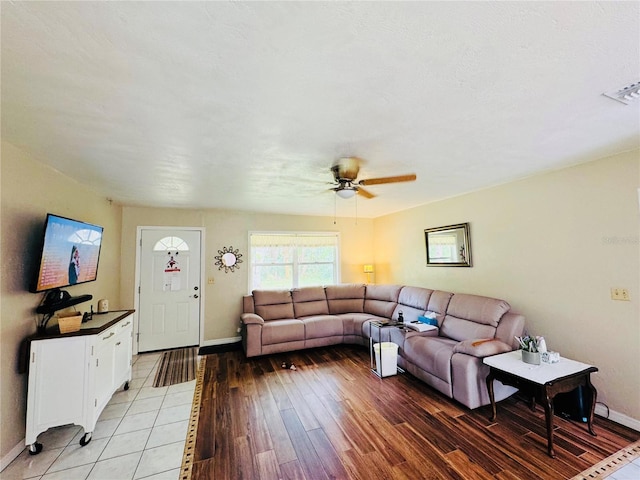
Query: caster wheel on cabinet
{"points": [[86, 438], [35, 448]]}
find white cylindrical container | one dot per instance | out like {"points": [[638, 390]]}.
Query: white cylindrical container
{"points": [[386, 354]]}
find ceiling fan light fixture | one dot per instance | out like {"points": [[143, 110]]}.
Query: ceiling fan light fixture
{"points": [[346, 192]]}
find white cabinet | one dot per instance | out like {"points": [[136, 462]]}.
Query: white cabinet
{"points": [[73, 376]]}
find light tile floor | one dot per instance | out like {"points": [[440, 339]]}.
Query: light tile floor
{"points": [[140, 435], [631, 471]]}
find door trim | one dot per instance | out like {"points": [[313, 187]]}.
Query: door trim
{"points": [[136, 287]]}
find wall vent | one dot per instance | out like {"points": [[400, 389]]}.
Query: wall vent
{"points": [[626, 95]]}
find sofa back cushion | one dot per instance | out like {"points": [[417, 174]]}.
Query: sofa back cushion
{"points": [[347, 298], [309, 301], [472, 316], [273, 304], [460, 329], [479, 309], [381, 300], [438, 304], [413, 302]]}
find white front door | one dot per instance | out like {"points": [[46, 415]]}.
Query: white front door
{"points": [[170, 293]]}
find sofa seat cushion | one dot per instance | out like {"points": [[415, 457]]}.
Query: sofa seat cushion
{"points": [[281, 331], [320, 326], [273, 304], [432, 354], [352, 322], [367, 329], [309, 301]]}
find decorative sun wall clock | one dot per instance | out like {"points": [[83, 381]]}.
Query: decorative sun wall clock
{"points": [[228, 258]]}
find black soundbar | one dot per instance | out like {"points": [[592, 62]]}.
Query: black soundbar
{"points": [[64, 303]]}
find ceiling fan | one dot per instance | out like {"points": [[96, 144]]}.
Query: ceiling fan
{"points": [[345, 172]]}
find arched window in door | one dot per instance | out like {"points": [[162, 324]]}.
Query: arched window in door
{"points": [[171, 243]]}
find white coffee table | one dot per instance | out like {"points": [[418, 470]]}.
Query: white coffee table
{"points": [[546, 380]]}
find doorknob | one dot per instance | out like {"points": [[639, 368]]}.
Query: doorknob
{"points": [[193, 296]]}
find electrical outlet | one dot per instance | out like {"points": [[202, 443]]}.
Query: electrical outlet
{"points": [[620, 294], [238, 330], [210, 281]]}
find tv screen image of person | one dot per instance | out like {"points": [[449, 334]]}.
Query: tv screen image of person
{"points": [[70, 253]]}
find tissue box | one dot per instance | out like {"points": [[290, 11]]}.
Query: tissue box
{"points": [[428, 320], [550, 357]]}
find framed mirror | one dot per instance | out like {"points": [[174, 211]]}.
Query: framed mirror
{"points": [[228, 258], [448, 246]]}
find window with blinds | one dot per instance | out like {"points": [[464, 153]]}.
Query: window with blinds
{"points": [[293, 259]]}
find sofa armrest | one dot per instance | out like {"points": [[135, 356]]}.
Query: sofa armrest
{"points": [[247, 304], [511, 325], [252, 334], [481, 348], [251, 318]]}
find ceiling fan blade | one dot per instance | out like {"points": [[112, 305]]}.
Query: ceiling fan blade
{"points": [[378, 181], [365, 193]]}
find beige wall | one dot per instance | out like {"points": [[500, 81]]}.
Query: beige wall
{"points": [[29, 191], [552, 245], [223, 299]]}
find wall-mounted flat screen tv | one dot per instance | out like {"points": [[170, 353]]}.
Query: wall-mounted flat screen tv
{"points": [[69, 255]]}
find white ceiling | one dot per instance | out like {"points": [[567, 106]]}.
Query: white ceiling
{"points": [[247, 105]]}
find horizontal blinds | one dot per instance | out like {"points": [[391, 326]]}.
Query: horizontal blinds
{"points": [[442, 240], [301, 240]]}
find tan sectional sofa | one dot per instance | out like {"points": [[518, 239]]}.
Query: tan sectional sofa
{"points": [[448, 359]]}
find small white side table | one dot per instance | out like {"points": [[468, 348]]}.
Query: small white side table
{"points": [[546, 380]]}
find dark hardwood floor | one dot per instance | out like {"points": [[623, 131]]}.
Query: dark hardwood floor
{"points": [[333, 418]]}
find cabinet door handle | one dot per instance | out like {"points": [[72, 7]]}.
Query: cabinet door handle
{"points": [[126, 324], [109, 336], [118, 343]]}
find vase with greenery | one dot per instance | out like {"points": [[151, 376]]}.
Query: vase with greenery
{"points": [[530, 349]]}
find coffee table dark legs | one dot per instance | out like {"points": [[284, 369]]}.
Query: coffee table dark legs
{"points": [[546, 393], [548, 414], [490, 378], [594, 397]]}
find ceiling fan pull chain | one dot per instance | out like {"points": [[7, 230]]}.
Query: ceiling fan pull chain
{"points": [[356, 210]]}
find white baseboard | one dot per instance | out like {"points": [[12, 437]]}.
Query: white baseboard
{"points": [[12, 455], [617, 417], [220, 341]]}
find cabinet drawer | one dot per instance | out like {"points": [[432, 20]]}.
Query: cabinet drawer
{"points": [[107, 335], [125, 323]]}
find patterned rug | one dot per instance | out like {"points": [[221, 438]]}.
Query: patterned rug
{"points": [[177, 366], [190, 444]]}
